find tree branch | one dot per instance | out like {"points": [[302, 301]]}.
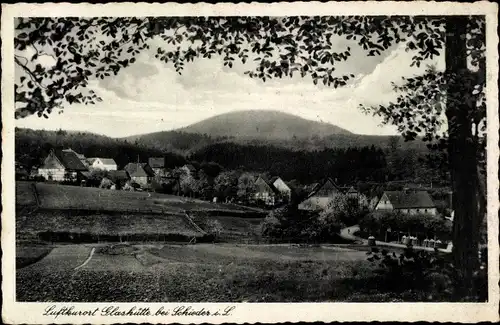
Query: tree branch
{"points": [[27, 70]]}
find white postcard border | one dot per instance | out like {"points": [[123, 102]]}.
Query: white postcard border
{"points": [[32, 313]]}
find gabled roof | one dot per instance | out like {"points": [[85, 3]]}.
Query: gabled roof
{"points": [[408, 200], [265, 183], [281, 186], [70, 160], [139, 170], [79, 155], [157, 162], [105, 161], [326, 188], [274, 179]]}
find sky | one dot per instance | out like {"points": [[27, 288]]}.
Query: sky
{"points": [[149, 96]]}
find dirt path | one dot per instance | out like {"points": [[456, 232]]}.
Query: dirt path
{"points": [[87, 260]]}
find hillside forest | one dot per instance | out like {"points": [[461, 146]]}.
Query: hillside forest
{"points": [[389, 161]]}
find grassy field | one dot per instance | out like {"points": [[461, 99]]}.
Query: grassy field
{"points": [[30, 254], [117, 224], [24, 194], [196, 273], [79, 214], [238, 228], [55, 196]]}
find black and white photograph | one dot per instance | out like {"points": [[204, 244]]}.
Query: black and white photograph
{"points": [[247, 159]]}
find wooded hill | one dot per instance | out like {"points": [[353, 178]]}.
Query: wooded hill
{"points": [[263, 127], [347, 165], [32, 146]]}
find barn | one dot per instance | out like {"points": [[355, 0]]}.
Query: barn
{"points": [[64, 165]]}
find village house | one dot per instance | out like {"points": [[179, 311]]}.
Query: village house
{"points": [[321, 195], [284, 190], [64, 165], [157, 164], [140, 173], [102, 163], [80, 156], [265, 191], [408, 202], [354, 194]]}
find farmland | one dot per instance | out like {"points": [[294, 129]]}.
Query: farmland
{"points": [[203, 272], [65, 234], [79, 214], [53, 196], [101, 224]]}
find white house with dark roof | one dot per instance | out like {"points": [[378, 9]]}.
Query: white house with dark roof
{"points": [[62, 165], [140, 173], [102, 163], [408, 202], [265, 191], [321, 195], [157, 164]]}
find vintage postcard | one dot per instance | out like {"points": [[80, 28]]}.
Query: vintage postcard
{"points": [[243, 163]]}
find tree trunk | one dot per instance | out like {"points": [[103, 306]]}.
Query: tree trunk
{"points": [[462, 153]]}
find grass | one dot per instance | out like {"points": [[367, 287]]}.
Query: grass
{"points": [[24, 194], [61, 258], [30, 254], [236, 229], [84, 222], [215, 273], [192, 274], [55, 196], [78, 214]]}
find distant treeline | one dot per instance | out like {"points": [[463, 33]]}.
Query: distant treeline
{"points": [[186, 143], [345, 165], [175, 141], [392, 161], [32, 146]]}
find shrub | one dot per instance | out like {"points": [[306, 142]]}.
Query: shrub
{"points": [[288, 223], [271, 227], [211, 226], [344, 210], [425, 271]]}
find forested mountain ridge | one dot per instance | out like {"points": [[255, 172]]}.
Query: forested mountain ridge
{"points": [[182, 142], [392, 160], [32, 146]]}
